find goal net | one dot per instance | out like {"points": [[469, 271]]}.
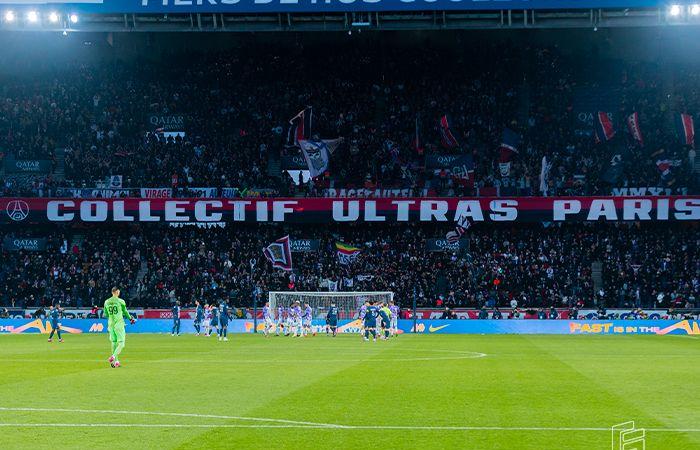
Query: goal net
{"points": [[348, 302]]}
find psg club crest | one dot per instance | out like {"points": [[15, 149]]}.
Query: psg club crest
{"points": [[18, 210]]}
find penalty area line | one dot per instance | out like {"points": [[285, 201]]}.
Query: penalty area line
{"points": [[170, 414]]}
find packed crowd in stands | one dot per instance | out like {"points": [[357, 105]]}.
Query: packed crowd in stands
{"points": [[642, 266], [236, 110]]}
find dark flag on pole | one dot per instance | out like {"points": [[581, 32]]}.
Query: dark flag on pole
{"points": [[416, 142], [447, 139], [686, 129], [463, 224], [616, 166], [665, 164], [300, 127], [604, 130], [507, 150], [279, 254], [634, 128]]}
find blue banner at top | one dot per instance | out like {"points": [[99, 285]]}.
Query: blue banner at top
{"points": [[317, 6]]}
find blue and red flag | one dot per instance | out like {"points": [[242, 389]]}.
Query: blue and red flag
{"points": [[509, 147], [686, 129], [300, 127], [634, 128], [604, 129], [416, 141], [447, 139]]}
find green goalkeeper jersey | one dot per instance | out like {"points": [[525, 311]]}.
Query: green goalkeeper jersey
{"points": [[115, 311]]}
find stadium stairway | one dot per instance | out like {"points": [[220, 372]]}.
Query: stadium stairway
{"points": [[597, 275], [524, 102], [274, 167], [60, 169], [143, 270]]}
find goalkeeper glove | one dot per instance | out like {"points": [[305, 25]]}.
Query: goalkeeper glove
{"points": [[132, 320]]}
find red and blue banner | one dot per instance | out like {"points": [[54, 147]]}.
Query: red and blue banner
{"points": [[23, 211]]}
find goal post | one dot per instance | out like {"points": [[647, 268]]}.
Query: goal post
{"points": [[348, 302]]}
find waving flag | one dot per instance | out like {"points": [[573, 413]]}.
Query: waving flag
{"points": [[416, 141], [446, 137], [634, 129], [317, 154], [507, 150], [347, 254], [686, 129], [279, 254], [616, 166], [604, 130], [544, 175], [300, 127], [665, 164], [463, 224]]}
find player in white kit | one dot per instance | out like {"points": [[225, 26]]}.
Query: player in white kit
{"points": [[267, 318]]}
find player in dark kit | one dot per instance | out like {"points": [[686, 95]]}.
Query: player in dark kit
{"points": [[54, 315], [385, 315], [214, 310], [224, 312], [332, 319], [198, 317], [371, 321], [176, 319]]}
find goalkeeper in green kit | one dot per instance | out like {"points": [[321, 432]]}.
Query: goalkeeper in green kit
{"points": [[115, 312]]}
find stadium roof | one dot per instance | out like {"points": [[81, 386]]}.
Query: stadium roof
{"points": [[332, 15]]}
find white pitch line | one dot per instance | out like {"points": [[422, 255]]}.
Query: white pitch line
{"points": [[282, 423], [168, 414], [342, 427], [149, 425], [470, 355]]}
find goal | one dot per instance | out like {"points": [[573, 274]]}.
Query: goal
{"points": [[348, 302]]}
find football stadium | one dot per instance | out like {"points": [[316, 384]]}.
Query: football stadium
{"points": [[343, 224]]}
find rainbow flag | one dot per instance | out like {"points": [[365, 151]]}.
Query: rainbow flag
{"points": [[346, 253]]}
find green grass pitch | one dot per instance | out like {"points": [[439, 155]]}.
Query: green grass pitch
{"points": [[415, 391]]}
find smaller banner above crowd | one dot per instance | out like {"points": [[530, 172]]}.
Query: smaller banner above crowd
{"points": [[304, 245], [642, 191], [460, 166], [27, 165], [167, 122], [94, 193], [197, 192], [295, 162], [156, 192], [16, 244], [374, 193], [444, 245]]}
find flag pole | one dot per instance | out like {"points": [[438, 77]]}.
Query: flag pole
{"points": [[255, 302], [414, 310]]}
